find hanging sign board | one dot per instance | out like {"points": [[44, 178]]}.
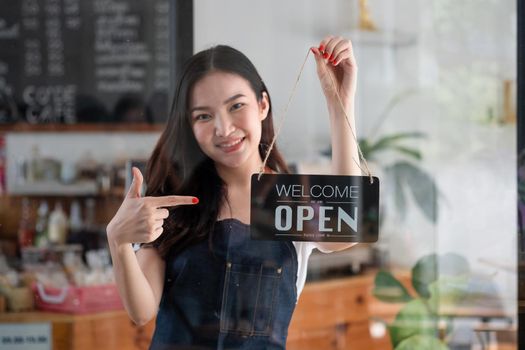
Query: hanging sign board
{"points": [[318, 208]]}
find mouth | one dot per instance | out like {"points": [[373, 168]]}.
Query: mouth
{"points": [[231, 146]]}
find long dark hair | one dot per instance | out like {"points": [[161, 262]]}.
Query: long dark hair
{"points": [[177, 164]]}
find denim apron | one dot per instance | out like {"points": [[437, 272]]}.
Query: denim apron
{"points": [[240, 294]]}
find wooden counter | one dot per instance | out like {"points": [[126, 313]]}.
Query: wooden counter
{"points": [[332, 314], [336, 314], [100, 331]]}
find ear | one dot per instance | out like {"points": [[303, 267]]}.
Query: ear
{"points": [[264, 106]]}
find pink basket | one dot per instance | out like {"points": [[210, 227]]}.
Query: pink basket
{"points": [[77, 300]]}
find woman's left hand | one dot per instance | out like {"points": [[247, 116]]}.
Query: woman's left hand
{"points": [[336, 65]]}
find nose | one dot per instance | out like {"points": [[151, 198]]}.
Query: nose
{"points": [[223, 125]]}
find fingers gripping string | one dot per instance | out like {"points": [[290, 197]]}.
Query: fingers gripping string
{"points": [[361, 156]]}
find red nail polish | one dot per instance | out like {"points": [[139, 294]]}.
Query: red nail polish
{"points": [[321, 47], [331, 58], [195, 200], [325, 55]]}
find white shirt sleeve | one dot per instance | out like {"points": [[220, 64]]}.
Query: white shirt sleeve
{"points": [[303, 249]]}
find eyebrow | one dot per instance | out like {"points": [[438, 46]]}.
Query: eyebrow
{"points": [[228, 100]]}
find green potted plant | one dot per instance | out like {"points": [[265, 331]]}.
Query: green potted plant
{"points": [[405, 171], [437, 281]]}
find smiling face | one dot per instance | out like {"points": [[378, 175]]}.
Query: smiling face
{"points": [[226, 119]]}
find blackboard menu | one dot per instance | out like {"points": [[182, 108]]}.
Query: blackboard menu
{"points": [[72, 61]]}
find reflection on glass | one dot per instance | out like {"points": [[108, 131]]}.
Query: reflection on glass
{"points": [[435, 109], [452, 277]]}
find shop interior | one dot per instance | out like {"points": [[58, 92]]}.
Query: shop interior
{"points": [[85, 91]]}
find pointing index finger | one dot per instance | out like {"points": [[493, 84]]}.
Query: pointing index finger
{"points": [[171, 201]]}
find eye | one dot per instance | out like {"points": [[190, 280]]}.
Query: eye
{"points": [[202, 117], [237, 106]]}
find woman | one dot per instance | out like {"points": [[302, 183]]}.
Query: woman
{"points": [[208, 284]]}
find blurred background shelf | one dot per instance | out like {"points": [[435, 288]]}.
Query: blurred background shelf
{"points": [[381, 38], [82, 127], [53, 188]]}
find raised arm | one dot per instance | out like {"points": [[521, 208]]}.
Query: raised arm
{"points": [[337, 72], [140, 276]]}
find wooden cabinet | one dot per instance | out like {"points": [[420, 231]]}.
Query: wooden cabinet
{"points": [[331, 314], [337, 315], [100, 331]]}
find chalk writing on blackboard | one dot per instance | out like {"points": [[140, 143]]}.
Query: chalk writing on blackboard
{"points": [[71, 61]]}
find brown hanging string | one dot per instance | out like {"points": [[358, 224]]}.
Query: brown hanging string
{"points": [[361, 156]]}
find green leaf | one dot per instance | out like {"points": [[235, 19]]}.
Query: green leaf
{"points": [[432, 267], [424, 272], [409, 152], [399, 191], [369, 148], [388, 289], [452, 264], [365, 148], [390, 139], [421, 185], [414, 318], [439, 280], [421, 342], [451, 286], [448, 292]]}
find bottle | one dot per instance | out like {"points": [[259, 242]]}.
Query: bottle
{"points": [[21, 172], [76, 225], [34, 165], [41, 238], [26, 228], [75, 217], [57, 227], [89, 220]]}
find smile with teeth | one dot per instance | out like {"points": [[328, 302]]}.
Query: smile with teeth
{"points": [[231, 144]]}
